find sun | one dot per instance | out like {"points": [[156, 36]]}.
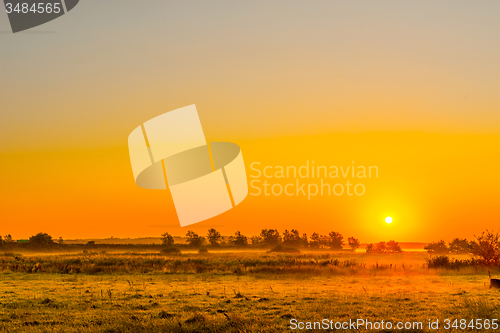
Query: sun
{"points": [[388, 219]]}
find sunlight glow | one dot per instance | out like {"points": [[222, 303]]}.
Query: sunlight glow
{"points": [[388, 219]]}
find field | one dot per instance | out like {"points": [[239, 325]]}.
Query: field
{"points": [[252, 291]]}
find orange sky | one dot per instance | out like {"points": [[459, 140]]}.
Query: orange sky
{"points": [[411, 88], [433, 185]]}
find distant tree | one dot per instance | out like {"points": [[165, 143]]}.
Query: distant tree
{"points": [[304, 242], [333, 240], [383, 247], [353, 243], [8, 239], [487, 247], [270, 237], [291, 238], [380, 247], [214, 237], [393, 247], [41, 240], [439, 247], [194, 240], [60, 241], [460, 246], [239, 239], [287, 238], [256, 240], [1, 240], [91, 243], [315, 240], [167, 239]]}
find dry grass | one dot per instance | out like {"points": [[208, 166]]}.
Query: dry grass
{"points": [[238, 292]]}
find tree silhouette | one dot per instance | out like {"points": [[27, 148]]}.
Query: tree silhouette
{"points": [[383, 247], [487, 246], [214, 237], [333, 240], [239, 239], [41, 240], [194, 240], [291, 238], [393, 247], [167, 239], [270, 237], [8, 239], [353, 243], [315, 240], [380, 247], [439, 247], [458, 245], [304, 242], [256, 240]]}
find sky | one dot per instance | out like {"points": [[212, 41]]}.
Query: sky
{"points": [[410, 87]]}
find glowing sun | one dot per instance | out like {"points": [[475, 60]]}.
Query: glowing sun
{"points": [[388, 219]]}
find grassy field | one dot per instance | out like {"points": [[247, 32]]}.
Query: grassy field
{"points": [[232, 291]]}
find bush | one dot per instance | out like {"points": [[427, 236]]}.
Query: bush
{"points": [[41, 241], [447, 263], [285, 249], [203, 250], [170, 249], [438, 262]]}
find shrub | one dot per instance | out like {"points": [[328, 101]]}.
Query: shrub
{"points": [[438, 262], [170, 249], [285, 249], [447, 263], [41, 241], [203, 250]]}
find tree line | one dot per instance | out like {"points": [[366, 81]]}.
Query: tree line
{"points": [[272, 237], [266, 238], [485, 246], [40, 240]]}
